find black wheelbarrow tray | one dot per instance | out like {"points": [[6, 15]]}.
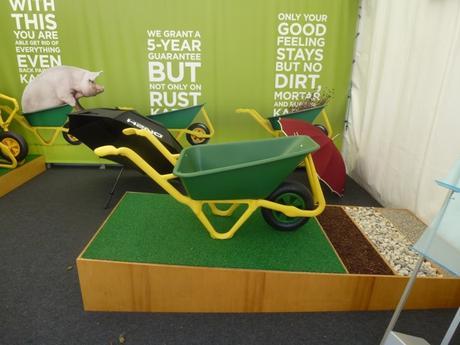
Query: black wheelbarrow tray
{"points": [[234, 174], [104, 126]]}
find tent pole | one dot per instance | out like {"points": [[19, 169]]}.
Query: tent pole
{"points": [[453, 326], [403, 299]]}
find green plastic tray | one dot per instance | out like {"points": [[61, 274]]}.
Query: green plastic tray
{"points": [[180, 118], [308, 115], [240, 170], [52, 117]]}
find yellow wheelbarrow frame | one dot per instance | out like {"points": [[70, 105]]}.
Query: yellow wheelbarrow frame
{"points": [[197, 205], [265, 123], [13, 114], [180, 122], [196, 134]]}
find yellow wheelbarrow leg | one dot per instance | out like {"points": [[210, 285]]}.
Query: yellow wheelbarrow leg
{"points": [[198, 210], [208, 124], [39, 131]]}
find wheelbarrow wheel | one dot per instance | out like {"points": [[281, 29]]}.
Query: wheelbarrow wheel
{"points": [[16, 144], [293, 194], [69, 137], [200, 128], [323, 129]]}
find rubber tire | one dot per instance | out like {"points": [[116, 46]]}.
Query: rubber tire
{"points": [[193, 140], [272, 216], [67, 137], [23, 147], [323, 129]]}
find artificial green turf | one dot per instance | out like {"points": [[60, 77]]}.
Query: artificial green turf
{"points": [[154, 228], [29, 158]]}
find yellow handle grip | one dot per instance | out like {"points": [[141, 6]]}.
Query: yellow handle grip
{"points": [[172, 158], [130, 131], [106, 150]]}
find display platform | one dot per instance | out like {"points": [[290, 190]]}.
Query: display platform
{"points": [[10, 179], [152, 254]]}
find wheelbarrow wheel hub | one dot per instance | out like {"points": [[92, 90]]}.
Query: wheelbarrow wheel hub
{"points": [[291, 194], [12, 145], [200, 129], [15, 144], [290, 199]]}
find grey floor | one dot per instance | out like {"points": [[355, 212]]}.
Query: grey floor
{"points": [[47, 222]]}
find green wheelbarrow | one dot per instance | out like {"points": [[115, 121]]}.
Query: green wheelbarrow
{"points": [[53, 121], [180, 122], [272, 125], [227, 176], [45, 125]]}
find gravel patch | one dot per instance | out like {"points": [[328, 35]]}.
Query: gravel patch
{"points": [[406, 222], [391, 243]]}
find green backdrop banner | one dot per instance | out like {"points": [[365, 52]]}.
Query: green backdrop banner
{"points": [[163, 55]]}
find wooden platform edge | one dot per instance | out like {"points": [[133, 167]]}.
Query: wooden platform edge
{"points": [[17, 177], [137, 287]]}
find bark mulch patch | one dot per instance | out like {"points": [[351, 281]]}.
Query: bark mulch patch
{"points": [[357, 254]]}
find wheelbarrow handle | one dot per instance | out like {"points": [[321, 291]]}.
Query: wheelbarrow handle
{"points": [[172, 158], [12, 100], [129, 131], [263, 122], [107, 150]]}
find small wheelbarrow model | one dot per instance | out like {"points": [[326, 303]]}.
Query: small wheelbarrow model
{"points": [[227, 176], [179, 122], [272, 125], [45, 125]]}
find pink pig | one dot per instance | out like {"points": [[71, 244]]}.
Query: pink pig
{"points": [[60, 85]]}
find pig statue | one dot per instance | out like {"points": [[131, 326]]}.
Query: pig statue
{"points": [[60, 85]]}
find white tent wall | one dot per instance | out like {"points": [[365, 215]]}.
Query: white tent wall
{"points": [[404, 115]]}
